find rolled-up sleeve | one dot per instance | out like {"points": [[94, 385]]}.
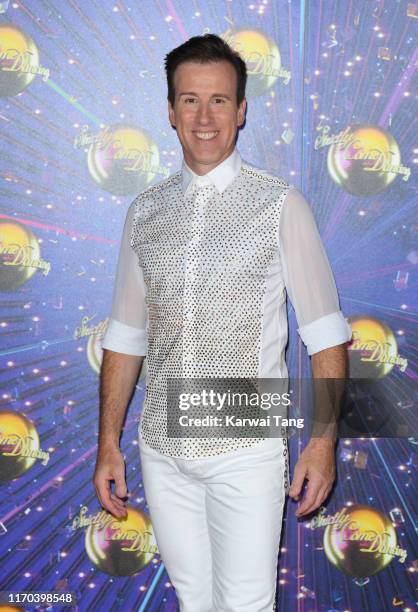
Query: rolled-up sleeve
{"points": [[308, 277], [126, 330]]}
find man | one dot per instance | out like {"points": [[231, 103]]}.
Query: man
{"points": [[206, 259]]}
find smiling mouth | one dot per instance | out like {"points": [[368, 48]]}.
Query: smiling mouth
{"points": [[206, 135]]}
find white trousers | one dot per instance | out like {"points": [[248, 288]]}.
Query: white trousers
{"points": [[217, 523]]}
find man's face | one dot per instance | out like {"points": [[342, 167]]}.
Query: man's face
{"points": [[205, 114]]}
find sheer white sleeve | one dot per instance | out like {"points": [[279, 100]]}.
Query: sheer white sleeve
{"points": [[308, 277], [126, 331]]}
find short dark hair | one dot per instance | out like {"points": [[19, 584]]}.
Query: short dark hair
{"points": [[205, 49]]}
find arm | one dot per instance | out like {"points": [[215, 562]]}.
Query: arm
{"points": [[329, 368], [124, 347], [330, 363], [323, 329], [118, 376], [317, 461]]}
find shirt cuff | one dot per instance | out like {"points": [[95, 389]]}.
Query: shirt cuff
{"points": [[327, 331], [123, 338]]}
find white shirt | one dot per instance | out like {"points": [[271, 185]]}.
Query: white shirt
{"points": [[183, 241]]}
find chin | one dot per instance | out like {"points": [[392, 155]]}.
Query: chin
{"points": [[202, 157]]}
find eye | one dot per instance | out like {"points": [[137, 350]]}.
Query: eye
{"points": [[219, 100], [189, 100]]}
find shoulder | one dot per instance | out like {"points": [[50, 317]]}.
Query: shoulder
{"points": [[149, 195], [264, 178], [161, 186], [297, 214]]}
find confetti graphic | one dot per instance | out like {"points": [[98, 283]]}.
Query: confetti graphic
{"points": [[84, 128]]}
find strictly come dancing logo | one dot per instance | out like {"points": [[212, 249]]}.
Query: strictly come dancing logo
{"points": [[20, 256], [19, 445], [119, 547], [362, 159], [359, 540], [262, 59], [373, 350], [19, 61], [123, 159]]}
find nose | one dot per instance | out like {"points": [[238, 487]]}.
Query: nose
{"points": [[203, 114]]}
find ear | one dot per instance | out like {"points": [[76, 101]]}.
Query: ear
{"points": [[171, 114], [241, 112]]}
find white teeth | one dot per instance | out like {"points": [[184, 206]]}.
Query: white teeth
{"points": [[206, 135]]}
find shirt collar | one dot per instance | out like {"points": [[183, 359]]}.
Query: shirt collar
{"points": [[221, 176]]}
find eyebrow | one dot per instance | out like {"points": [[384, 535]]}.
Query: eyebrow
{"points": [[192, 93]]}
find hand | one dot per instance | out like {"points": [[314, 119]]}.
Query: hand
{"points": [[317, 465], [111, 466]]}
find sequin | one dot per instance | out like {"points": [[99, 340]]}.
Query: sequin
{"points": [[204, 258]]}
